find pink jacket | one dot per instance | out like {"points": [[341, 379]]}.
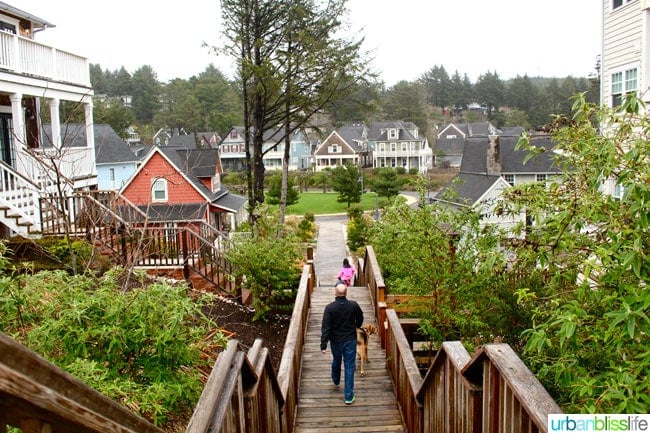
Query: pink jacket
{"points": [[346, 274]]}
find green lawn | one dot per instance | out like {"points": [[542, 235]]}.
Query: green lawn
{"points": [[320, 203]]}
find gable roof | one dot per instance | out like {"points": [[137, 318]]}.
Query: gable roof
{"points": [[469, 188], [193, 164], [378, 131], [482, 129], [109, 147]]}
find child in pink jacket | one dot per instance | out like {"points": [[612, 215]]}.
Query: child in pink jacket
{"points": [[346, 273]]}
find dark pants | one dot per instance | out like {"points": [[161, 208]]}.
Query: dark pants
{"points": [[347, 351]]}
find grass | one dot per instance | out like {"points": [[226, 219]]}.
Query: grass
{"points": [[320, 203]]}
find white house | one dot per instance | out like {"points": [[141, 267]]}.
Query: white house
{"points": [[33, 75]]}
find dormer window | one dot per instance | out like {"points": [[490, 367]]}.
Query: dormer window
{"points": [[392, 133]]}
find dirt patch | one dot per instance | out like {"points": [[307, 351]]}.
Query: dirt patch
{"points": [[236, 321]]}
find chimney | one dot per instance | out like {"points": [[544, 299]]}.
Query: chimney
{"points": [[494, 156]]}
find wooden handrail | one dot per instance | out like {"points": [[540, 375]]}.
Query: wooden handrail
{"points": [[35, 392], [268, 402], [493, 391]]}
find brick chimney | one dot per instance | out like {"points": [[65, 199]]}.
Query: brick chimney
{"points": [[494, 156]]}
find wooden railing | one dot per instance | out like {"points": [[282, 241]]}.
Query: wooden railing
{"points": [[492, 391], [26, 56], [243, 394], [36, 396], [111, 222]]}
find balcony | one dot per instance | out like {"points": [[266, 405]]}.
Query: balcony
{"points": [[30, 58]]}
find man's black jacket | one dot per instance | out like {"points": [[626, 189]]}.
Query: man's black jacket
{"points": [[341, 319]]}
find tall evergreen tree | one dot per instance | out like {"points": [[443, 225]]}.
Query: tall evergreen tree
{"points": [[146, 94], [490, 90], [291, 64], [438, 87]]}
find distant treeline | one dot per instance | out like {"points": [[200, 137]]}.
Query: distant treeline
{"points": [[210, 101]]}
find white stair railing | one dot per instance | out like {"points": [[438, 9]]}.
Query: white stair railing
{"points": [[19, 201]]}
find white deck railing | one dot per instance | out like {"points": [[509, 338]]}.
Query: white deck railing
{"points": [[20, 195], [28, 57]]}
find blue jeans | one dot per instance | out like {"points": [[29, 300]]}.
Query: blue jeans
{"points": [[348, 351]]}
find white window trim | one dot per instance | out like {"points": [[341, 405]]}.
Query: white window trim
{"points": [[164, 189], [623, 70]]}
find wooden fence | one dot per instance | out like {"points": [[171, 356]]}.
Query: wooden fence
{"points": [[243, 394], [491, 392]]}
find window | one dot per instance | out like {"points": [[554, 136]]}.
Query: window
{"points": [[405, 147], [159, 190], [618, 191], [618, 3], [623, 82], [8, 28], [393, 146], [510, 178], [393, 163], [392, 133], [540, 178], [233, 133], [451, 136], [382, 147], [112, 173]]}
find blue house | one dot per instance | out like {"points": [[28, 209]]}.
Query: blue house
{"points": [[114, 160]]}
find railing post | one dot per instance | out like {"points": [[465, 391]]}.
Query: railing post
{"points": [[121, 231], [186, 259]]}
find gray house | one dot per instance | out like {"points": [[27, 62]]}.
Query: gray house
{"points": [[489, 166]]}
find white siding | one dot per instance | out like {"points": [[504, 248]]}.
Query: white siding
{"points": [[625, 46]]}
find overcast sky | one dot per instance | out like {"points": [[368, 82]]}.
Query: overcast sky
{"points": [[405, 37]]}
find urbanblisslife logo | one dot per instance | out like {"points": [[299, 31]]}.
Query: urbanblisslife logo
{"points": [[603, 423]]}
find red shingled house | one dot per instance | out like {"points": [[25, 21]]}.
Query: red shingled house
{"points": [[177, 186]]}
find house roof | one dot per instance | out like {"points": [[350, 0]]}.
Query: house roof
{"points": [[512, 161], [468, 187], [230, 202], [482, 129], [378, 130], [193, 164], [36, 21], [450, 146], [109, 147], [175, 212], [188, 141], [353, 135]]}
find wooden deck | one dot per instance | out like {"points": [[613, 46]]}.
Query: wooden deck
{"points": [[320, 406]]}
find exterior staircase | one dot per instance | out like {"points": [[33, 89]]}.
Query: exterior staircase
{"points": [[19, 202]]}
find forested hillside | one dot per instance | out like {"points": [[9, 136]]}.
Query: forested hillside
{"points": [[211, 101]]}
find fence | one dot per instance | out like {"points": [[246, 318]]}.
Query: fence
{"points": [[492, 391]]}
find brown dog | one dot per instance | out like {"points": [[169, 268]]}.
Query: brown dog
{"points": [[363, 334]]}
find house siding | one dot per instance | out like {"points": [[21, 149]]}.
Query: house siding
{"points": [[179, 191], [123, 172], [625, 43]]}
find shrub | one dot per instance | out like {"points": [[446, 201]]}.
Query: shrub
{"points": [[113, 340]]}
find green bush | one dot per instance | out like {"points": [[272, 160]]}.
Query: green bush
{"points": [[268, 263], [113, 340]]}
